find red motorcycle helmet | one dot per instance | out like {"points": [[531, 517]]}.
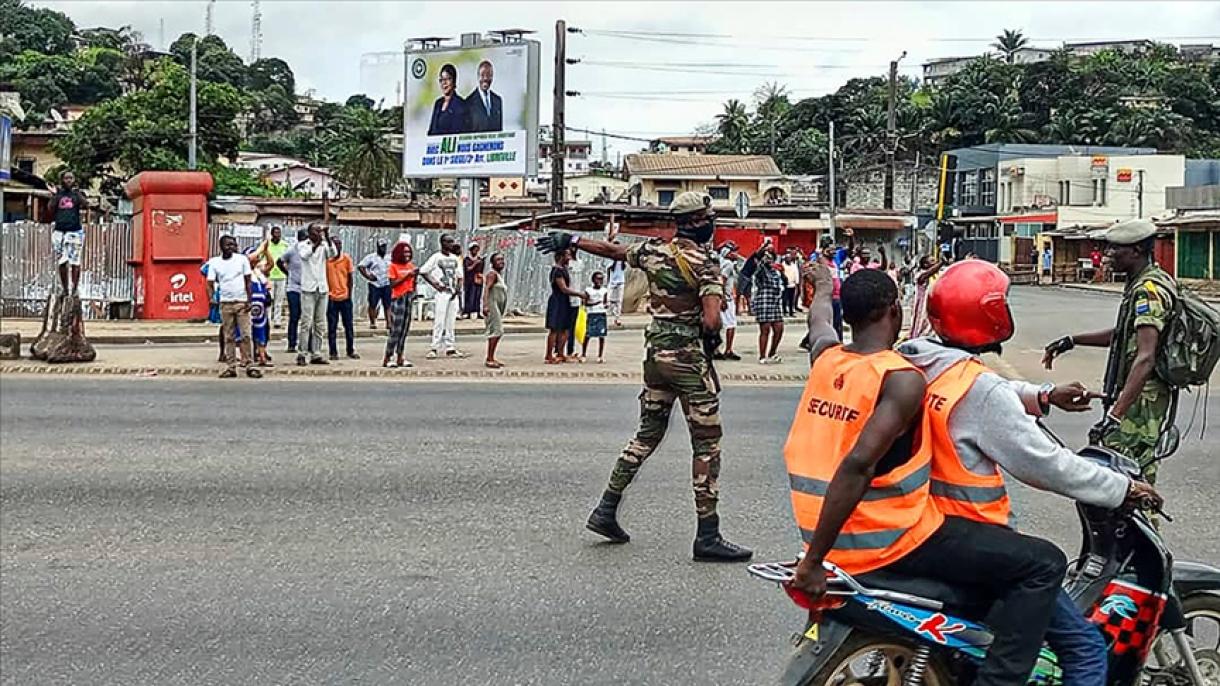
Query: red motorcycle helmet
{"points": [[968, 305]]}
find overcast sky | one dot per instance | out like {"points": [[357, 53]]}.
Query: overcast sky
{"points": [[810, 47]]}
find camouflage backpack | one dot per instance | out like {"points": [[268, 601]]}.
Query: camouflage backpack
{"points": [[1190, 343]]}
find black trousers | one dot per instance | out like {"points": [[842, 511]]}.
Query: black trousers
{"points": [[789, 301], [1023, 573], [336, 310], [294, 317]]}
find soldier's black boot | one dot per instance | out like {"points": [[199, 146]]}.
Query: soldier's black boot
{"points": [[604, 519], [710, 546]]}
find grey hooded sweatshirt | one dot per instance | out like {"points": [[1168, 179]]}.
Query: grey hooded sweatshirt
{"points": [[994, 423]]}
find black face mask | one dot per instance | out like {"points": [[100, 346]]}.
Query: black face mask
{"points": [[699, 233]]}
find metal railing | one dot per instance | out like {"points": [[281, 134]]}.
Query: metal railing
{"points": [[28, 271]]}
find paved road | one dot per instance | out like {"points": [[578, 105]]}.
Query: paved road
{"points": [[157, 531]]}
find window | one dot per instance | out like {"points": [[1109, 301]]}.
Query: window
{"points": [[718, 192], [665, 198], [970, 189], [987, 187], [1101, 183], [26, 165], [1065, 192]]}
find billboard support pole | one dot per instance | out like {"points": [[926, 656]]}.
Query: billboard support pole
{"points": [[558, 142]]}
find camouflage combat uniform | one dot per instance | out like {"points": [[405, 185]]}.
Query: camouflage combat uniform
{"points": [[675, 366], [1144, 304]]}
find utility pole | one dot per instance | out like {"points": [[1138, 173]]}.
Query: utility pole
{"points": [[830, 154], [891, 135], [914, 178], [1139, 195], [558, 144], [194, 130]]}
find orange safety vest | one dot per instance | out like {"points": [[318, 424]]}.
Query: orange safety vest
{"points": [[957, 490], [896, 514]]}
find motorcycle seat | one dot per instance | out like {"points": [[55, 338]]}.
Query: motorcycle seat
{"points": [[968, 602]]}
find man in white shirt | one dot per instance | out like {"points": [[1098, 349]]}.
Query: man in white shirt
{"points": [[229, 274], [617, 281], [375, 269], [730, 271], [443, 271], [315, 293]]}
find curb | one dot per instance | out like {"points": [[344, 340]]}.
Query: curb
{"points": [[1118, 294], [574, 376], [279, 335]]}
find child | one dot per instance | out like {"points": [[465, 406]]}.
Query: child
{"points": [[260, 301], [598, 297]]}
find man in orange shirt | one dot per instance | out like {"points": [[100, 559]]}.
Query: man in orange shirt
{"points": [[858, 459], [339, 280]]}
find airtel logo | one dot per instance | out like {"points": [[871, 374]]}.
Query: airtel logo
{"points": [[177, 281]]}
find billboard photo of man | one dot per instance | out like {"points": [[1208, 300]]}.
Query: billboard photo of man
{"points": [[485, 107]]}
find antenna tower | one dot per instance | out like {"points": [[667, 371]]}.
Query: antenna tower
{"points": [[256, 32], [208, 25]]}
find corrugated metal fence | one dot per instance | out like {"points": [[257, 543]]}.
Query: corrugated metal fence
{"points": [[28, 271], [28, 268]]}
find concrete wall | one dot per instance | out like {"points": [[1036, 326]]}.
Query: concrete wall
{"points": [[867, 190]]}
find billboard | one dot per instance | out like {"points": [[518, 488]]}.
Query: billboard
{"points": [[472, 112]]}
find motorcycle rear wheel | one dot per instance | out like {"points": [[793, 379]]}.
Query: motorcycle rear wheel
{"points": [[1202, 612], [865, 660]]}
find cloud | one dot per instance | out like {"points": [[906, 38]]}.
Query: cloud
{"points": [[324, 41]]}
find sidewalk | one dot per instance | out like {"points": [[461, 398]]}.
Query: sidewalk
{"points": [[1117, 290], [141, 332], [522, 354]]}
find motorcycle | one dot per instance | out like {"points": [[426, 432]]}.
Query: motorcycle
{"points": [[899, 630]]}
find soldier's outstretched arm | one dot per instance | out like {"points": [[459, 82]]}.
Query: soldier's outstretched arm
{"points": [[561, 240]]}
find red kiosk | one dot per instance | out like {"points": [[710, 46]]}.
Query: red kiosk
{"points": [[170, 235]]}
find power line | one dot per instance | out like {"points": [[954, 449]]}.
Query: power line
{"points": [[870, 39]]}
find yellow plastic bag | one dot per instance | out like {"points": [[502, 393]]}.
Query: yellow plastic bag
{"points": [[582, 325]]}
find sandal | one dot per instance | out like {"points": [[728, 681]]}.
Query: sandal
{"points": [[492, 364]]}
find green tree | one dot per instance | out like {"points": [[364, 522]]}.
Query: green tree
{"points": [[1009, 43], [214, 60], [148, 129], [272, 109], [360, 100], [733, 127], [270, 71], [364, 159], [41, 30]]}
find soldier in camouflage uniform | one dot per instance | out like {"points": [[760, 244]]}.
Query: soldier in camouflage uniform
{"points": [[1139, 400], [686, 296]]}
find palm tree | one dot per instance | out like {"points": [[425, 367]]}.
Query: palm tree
{"points": [[365, 162], [1009, 42], [733, 124]]}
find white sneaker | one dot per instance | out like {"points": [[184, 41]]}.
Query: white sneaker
{"points": [[455, 353], [431, 355], [406, 364]]}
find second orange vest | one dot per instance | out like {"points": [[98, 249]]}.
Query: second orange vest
{"points": [[896, 514], [957, 490]]}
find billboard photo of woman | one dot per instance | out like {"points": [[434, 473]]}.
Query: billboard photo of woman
{"points": [[449, 113]]}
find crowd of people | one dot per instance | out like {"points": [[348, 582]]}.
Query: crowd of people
{"points": [[312, 282], [769, 285]]}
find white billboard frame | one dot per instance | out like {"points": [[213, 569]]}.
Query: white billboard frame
{"points": [[529, 169]]}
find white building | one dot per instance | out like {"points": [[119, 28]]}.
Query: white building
{"points": [[264, 161], [1089, 191], [575, 161], [311, 181]]}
